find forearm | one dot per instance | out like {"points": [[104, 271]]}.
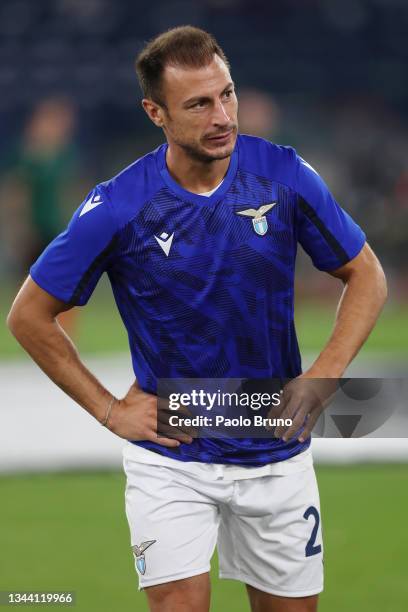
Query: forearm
{"points": [[361, 302], [50, 347]]}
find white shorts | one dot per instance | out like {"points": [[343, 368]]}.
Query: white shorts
{"points": [[266, 527]]}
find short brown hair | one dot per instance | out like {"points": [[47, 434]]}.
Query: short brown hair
{"points": [[182, 46]]}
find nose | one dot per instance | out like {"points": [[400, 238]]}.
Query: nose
{"points": [[220, 116]]}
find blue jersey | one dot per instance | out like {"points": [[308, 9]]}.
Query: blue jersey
{"points": [[205, 285]]}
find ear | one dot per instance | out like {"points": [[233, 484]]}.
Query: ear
{"points": [[154, 112]]}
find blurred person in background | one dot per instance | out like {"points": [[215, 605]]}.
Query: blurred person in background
{"points": [[259, 114], [40, 184]]}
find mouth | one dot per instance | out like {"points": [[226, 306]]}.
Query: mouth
{"points": [[221, 138]]}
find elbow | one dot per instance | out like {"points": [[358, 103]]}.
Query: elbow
{"points": [[12, 321], [370, 279], [383, 286], [372, 273], [380, 283], [16, 321]]}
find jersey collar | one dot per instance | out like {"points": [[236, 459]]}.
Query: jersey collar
{"points": [[195, 197]]}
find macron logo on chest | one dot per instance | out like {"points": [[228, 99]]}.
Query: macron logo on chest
{"points": [[164, 241], [93, 202]]}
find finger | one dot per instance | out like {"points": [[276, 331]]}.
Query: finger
{"points": [[297, 411], [173, 432], [164, 429], [310, 423], [164, 405], [287, 396], [303, 398], [185, 411], [276, 411], [297, 423], [153, 437], [308, 404], [288, 413], [163, 419], [189, 431]]}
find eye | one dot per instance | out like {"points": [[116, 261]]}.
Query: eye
{"points": [[228, 93], [199, 104]]}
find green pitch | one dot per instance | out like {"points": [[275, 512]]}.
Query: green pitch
{"points": [[69, 532], [100, 330]]}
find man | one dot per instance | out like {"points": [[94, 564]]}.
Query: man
{"points": [[40, 174], [199, 241]]}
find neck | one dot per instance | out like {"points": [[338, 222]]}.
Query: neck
{"points": [[192, 174]]}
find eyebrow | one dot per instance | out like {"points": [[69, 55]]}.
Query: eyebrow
{"points": [[195, 99]]}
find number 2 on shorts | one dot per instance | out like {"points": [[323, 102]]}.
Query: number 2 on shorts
{"points": [[311, 548]]}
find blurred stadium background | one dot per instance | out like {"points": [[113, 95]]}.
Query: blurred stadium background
{"points": [[327, 77]]}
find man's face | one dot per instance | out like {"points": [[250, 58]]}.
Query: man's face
{"points": [[201, 110]]}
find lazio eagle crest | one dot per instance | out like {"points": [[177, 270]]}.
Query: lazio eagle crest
{"points": [[259, 221], [138, 551]]}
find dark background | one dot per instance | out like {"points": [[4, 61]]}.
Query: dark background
{"points": [[328, 78]]}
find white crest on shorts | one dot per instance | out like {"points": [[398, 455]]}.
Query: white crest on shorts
{"points": [[138, 551]]}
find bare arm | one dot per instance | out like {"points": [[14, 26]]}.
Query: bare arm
{"points": [[32, 320], [364, 295]]}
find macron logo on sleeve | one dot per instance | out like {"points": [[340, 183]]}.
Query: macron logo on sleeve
{"points": [[93, 202]]}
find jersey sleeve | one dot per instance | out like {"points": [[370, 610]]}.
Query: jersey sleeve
{"points": [[70, 267], [326, 232]]}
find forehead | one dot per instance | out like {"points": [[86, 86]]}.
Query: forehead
{"points": [[181, 83]]}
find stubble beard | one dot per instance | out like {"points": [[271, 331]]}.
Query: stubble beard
{"points": [[197, 152]]}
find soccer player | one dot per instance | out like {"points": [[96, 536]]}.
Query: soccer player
{"points": [[199, 240]]}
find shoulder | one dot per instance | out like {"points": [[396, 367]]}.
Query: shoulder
{"points": [[264, 158], [278, 163], [136, 184]]}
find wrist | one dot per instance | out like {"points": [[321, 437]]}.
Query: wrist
{"points": [[108, 414], [324, 370]]}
